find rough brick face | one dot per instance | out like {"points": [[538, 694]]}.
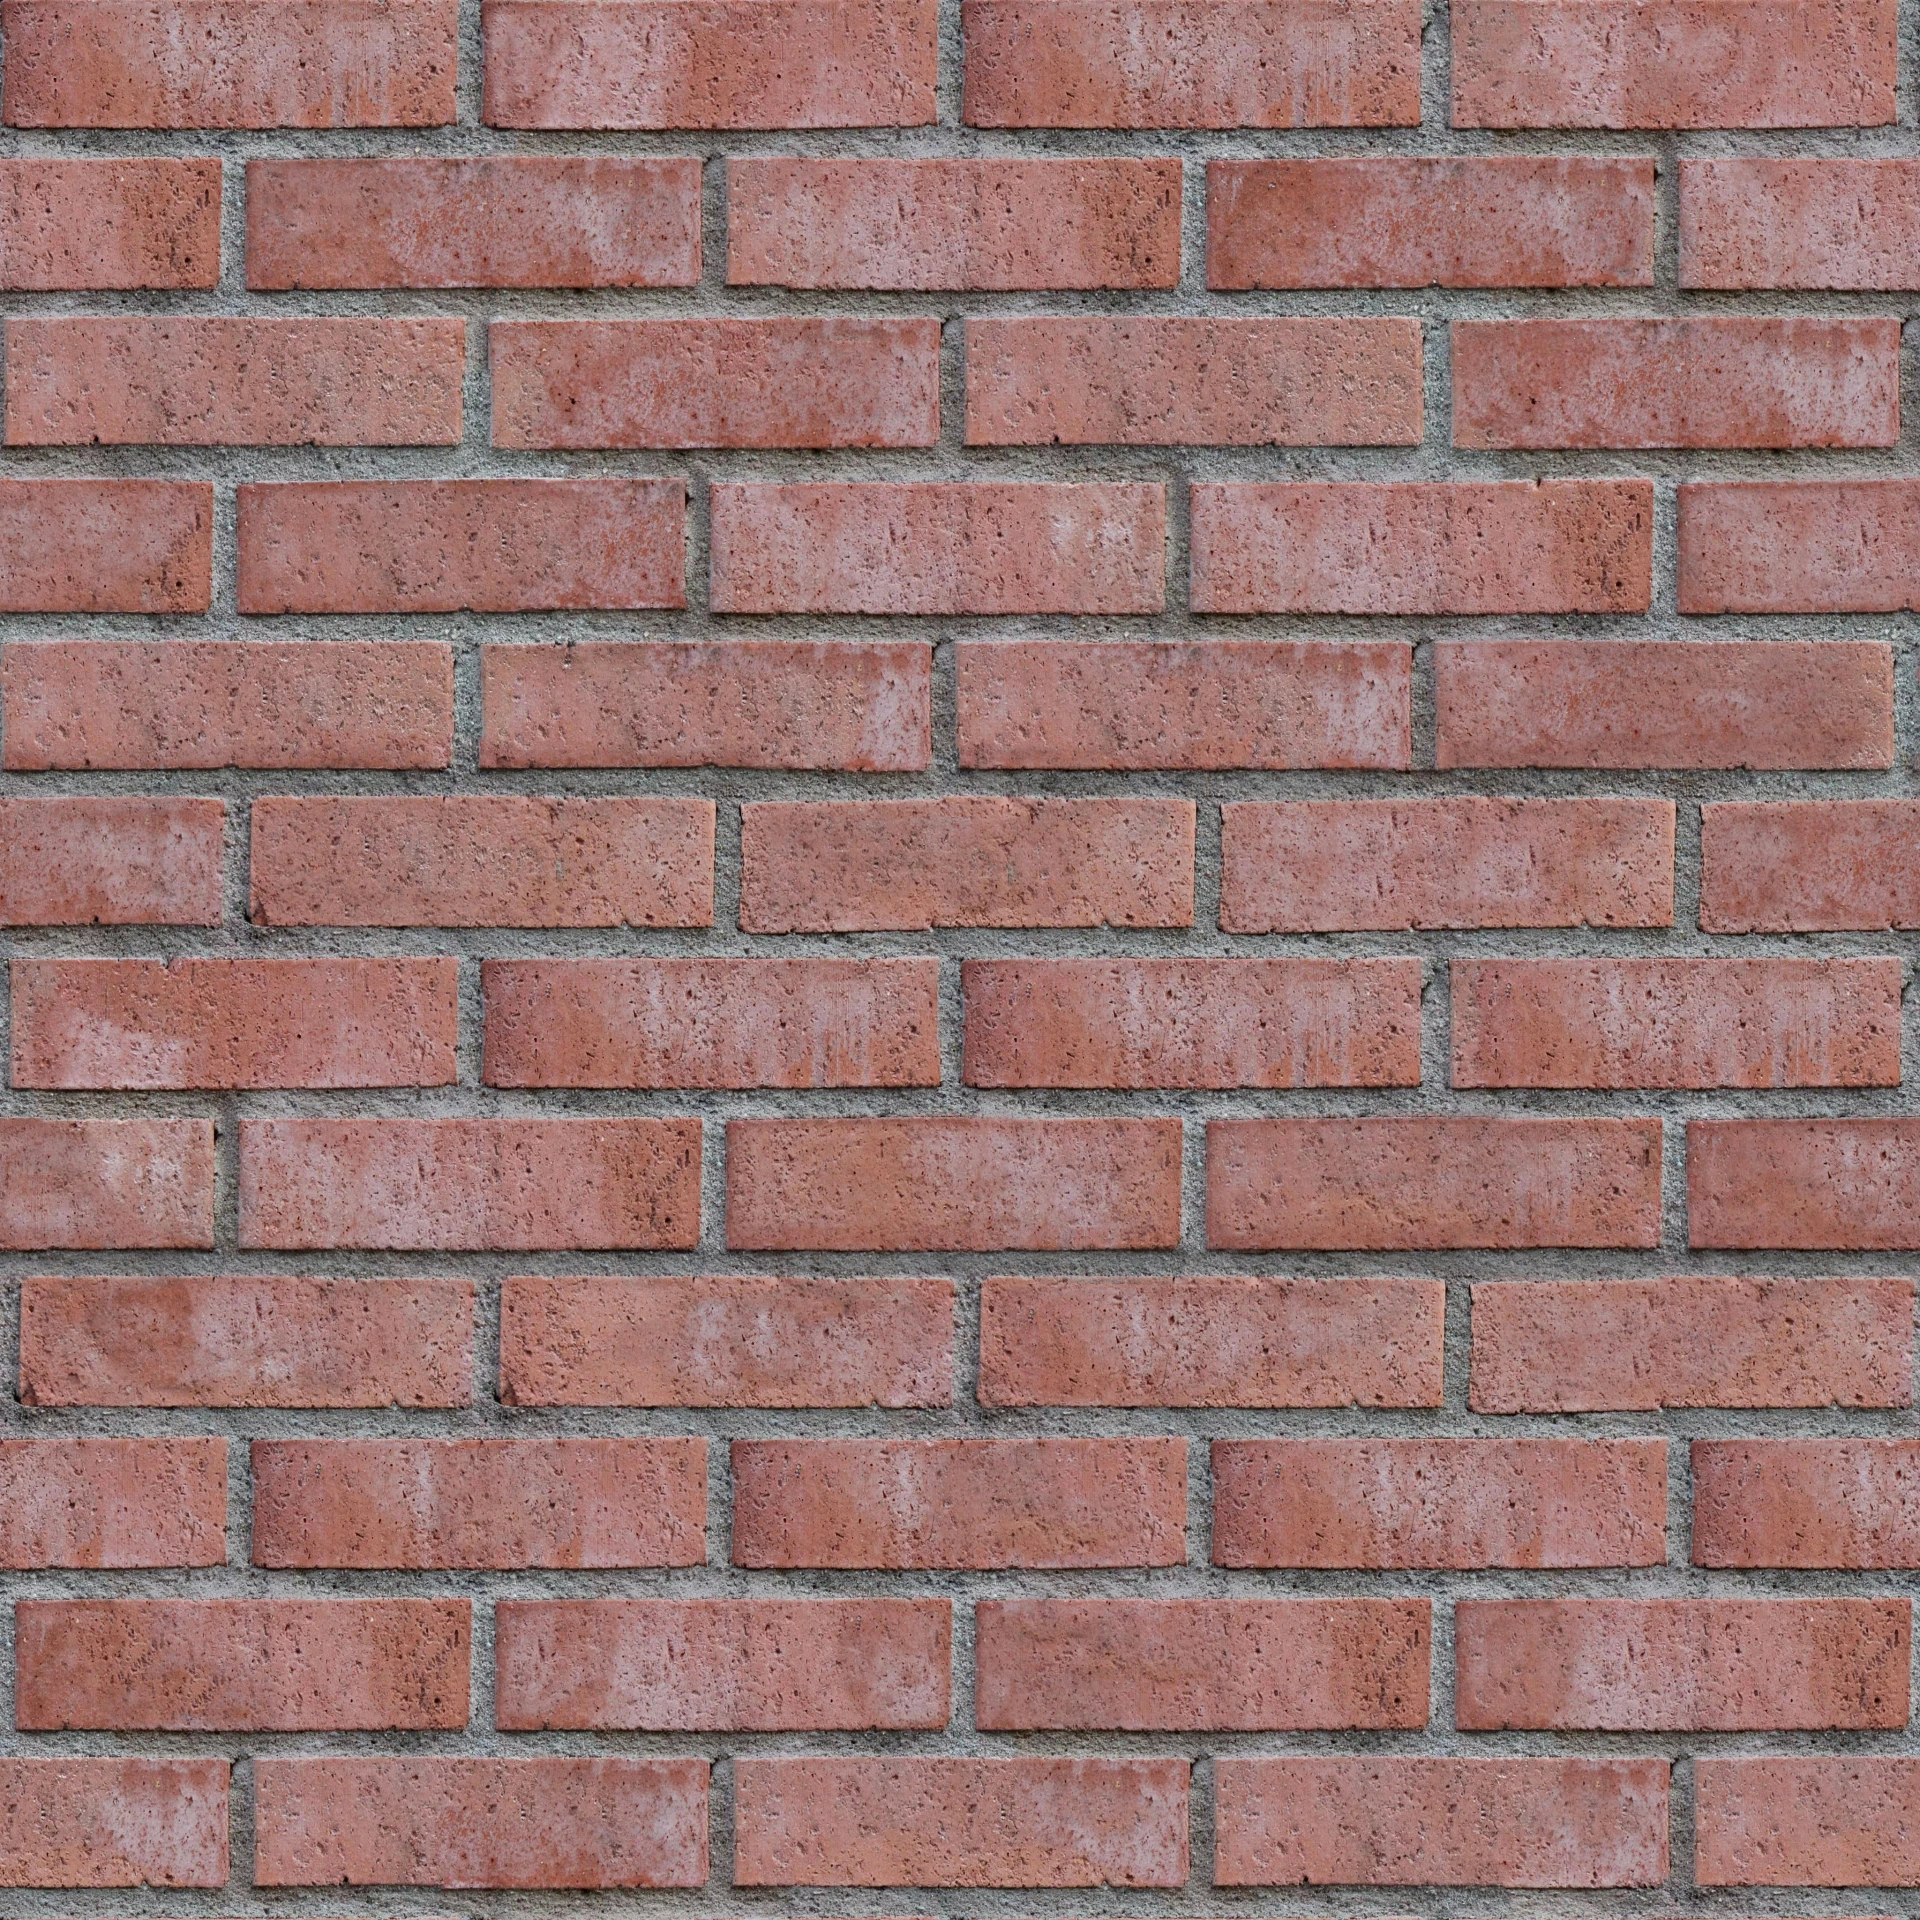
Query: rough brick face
{"points": [[113, 1503], [113, 1823], [97, 225]]}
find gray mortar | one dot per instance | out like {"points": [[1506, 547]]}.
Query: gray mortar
{"points": [[729, 787]]}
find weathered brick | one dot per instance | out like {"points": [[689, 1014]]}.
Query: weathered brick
{"points": [[1180, 704], [710, 63], [234, 1023], [437, 546], [1674, 63], [105, 546], [723, 1665], [1766, 221], [478, 860], [960, 1503], [137, 705], [962, 1184], [965, 860], [493, 1185], [977, 224], [801, 382], [96, 225], [1396, 1822], [1715, 1664], [849, 705], [112, 1503], [908, 1820], [1416, 547], [479, 1503], [1800, 546], [1181, 1665], [1800, 866], [712, 1023], [1440, 1503], [1849, 1183], [228, 63], [1317, 866], [414, 1820], [1723, 381], [520, 220], [223, 382], [1507, 221], [937, 547], [1158, 382], [105, 1183], [1852, 1503], [245, 1340], [1241, 1341], [1663, 703], [1693, 1340], [82, 860], [123, 1822], [1824, 1820], [1676, 1023], [251, 1665]]}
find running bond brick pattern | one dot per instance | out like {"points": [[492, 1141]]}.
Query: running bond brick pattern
{"points": [[956, 959]]}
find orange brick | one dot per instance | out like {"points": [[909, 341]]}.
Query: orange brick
{"points": [[108, 224], [105, 546], [85, 861], [1810, 546], [1758, 221], [960, 1503], [723, 1665], [1851, 1503], [112, 1503], [1850, 1183], [121, 1822], [105, 1183], [1820, 1821], [1798, 866]]}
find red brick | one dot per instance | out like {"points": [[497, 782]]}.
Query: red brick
{"points": [[242, 1340], [1663, 703], [105, 1183], [965, 860], [81, 860], [479, 860], [1440, 1503], [1180, 704], [1157, 382], [712, 1023], [1823, 1820], [723, 1665], [112, 1503], [1693, 1340], [479, 1503], [961, 1184], [848, 705], [1850, 1183], [1180, 1665], [1851, 1503], [893, 1821], [1810, 546], [503, 1185], [213, 382], [106, 224], [1192, 63], [437, 546], [935, 547], [113, 1823], [1501, 546], [230, 63], [1764, 222], [1459, 1181], [723, 1340], [1511, 221], [1721, 1665], [981, 224], [1397, 1822], [105, 546], [410, 1820], [1719, 382], [1786, 866], [960, 1503], [710, 63], [1674, 63], [802, 382], [1241, 1341], [1192, 1023], [1316, 866], [274, 1666], [235, 1023], [1676, 1023], [521, 220], [139, 705]]}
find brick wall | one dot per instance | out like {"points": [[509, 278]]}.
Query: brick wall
{"points": [[958, 945]]}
